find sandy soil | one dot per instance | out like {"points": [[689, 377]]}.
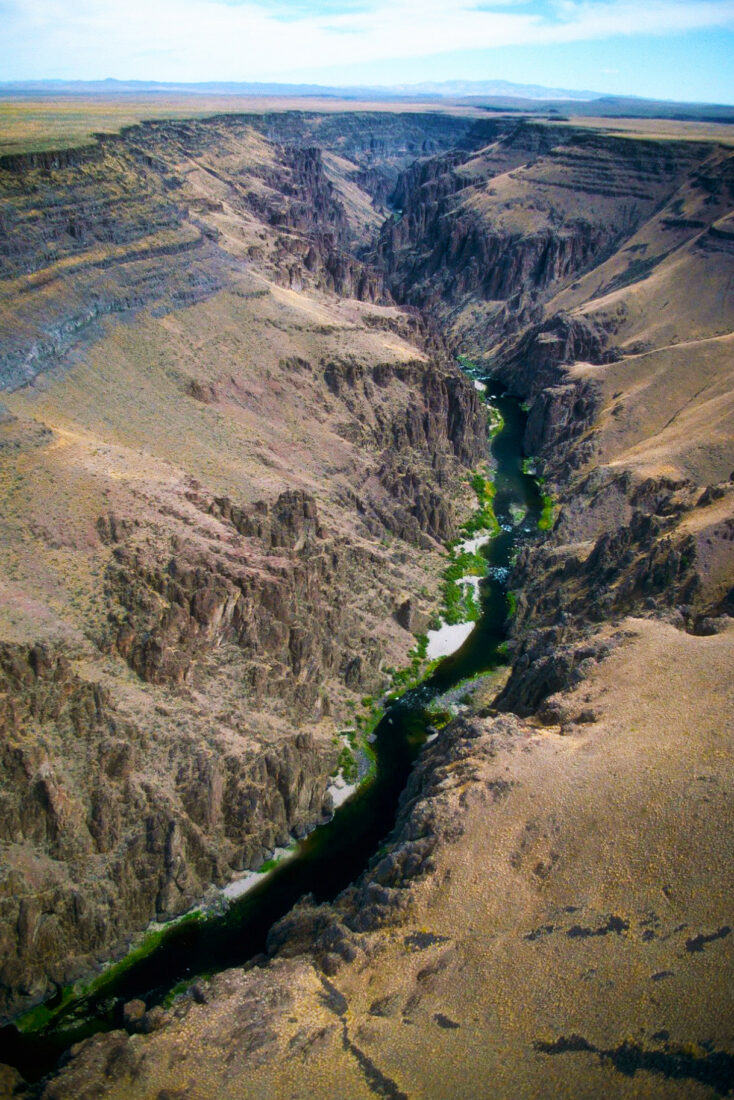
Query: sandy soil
{"points": [[447, 639]]}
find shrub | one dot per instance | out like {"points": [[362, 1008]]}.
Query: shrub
{"points": [[545, 522]]}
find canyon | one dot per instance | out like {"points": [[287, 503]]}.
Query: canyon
{"points": [[234, 442]]}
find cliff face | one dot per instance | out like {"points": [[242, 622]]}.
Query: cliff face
{"points": [[505, 227], [558, 260], [107, 821], [137, 219], [222, 487], [522, 887], [244, 631], [249, 526], [629, 383]]}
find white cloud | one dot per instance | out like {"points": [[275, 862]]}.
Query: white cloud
{"points": [[219, 40]]}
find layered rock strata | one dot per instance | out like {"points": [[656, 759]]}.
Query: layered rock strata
{"points": [[219, 490], [551, 911], [559, 260]]}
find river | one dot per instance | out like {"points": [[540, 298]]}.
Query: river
{"points": [[336, 853]]}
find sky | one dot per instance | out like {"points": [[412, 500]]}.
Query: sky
{"points": [[663, 49]]}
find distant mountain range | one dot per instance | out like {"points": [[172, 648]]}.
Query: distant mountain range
{"points": [[498, 95], [449, 89], [452, 89]]}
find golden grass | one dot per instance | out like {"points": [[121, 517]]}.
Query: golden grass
{"points": [[657, 128], [126, 432], [45, 123]]}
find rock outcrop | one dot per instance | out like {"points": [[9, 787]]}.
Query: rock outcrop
{"points": [[460, 235], [495, 862], [101, 834], [540, 253]]}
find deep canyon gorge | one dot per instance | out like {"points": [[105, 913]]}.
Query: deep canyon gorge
{"points": [[239, 428]]}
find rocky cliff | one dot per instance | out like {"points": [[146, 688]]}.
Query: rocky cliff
{"points": [[509, 224], [263, 524], [137, 218], [223, 485], [551, 913], [557, 260]]}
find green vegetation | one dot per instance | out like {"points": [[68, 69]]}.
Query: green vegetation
{"points": [[177, 990], [495, 421], [511, 605], [371, 757], [545, 523], [268, 865], [367, 722], [347, 764], [547, 517], [43, 1016], [458, 605], [404, 678], [440, 716], [355, 744], [458, 602], [444, 708], [483, 519], [467, 364]]}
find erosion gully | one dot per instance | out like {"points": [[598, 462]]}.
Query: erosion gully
{"points": [[334, 854]]}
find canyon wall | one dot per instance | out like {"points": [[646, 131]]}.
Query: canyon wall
{"points": [[559, 260], [228, 459], [551, 910]]}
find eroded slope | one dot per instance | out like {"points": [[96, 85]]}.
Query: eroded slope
{"points": [[592, 273], [552, 914], [213, 508], [554, 919]]}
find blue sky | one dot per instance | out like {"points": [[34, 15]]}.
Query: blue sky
{"points": [[680, 49]]}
